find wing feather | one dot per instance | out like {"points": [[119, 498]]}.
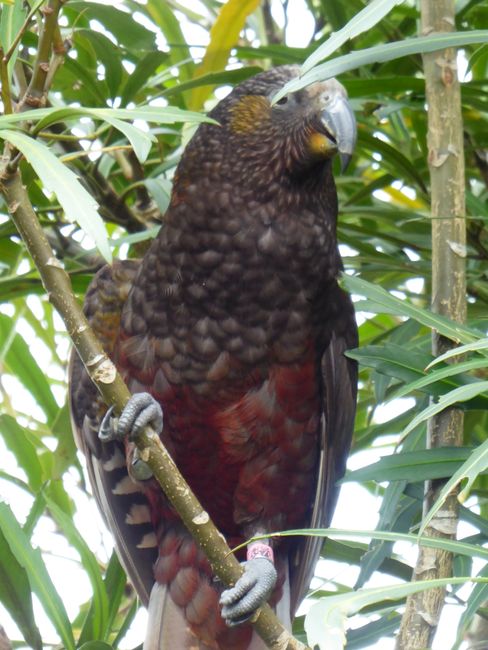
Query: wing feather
{"points": [[339, 389], [123, 505]]}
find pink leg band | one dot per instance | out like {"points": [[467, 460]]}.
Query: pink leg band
{"points": [[258, 549]]}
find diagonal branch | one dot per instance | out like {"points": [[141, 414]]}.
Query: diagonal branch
{"points": [[114, 391]]}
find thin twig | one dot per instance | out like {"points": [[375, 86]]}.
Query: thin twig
{"points": [[88, 152]]}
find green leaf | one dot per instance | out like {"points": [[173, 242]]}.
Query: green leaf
{"points": [[476, 599], [398, 162], [372, 632], [90, 564], [406, 364], [361, 22], [11, 20], [157, 114], [461, 394], [96, 645], [474, 465], [24, 451], [160, 190], [77, 203], [384, 302], [121, 24], [450, 545], [232, 77], [477, 346], [140, 140], [31, 560], [17, 359], [108, 55], [15, 594], [115, 582], [164, 17], [145, 67], [326, 621], [436, 377], [382, 53], [223, 36], [413, 466]]}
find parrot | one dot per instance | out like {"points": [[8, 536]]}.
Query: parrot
{"points": [[231, 334]]}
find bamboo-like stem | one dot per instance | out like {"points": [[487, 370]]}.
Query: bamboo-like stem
{"points": [[446, 165], [114, 391]]}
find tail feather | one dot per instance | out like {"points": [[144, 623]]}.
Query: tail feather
{"points": [[167, 628]]}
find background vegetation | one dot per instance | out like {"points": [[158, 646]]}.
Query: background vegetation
{"points": [[134, 55]]}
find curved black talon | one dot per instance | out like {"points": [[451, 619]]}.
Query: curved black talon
{"points": [[141, 410], [140, 470], [250, 592], [108, 427]]}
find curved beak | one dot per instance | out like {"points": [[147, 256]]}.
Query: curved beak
{"points": [[338, 119]]}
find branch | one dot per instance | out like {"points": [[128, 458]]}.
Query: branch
{"points": [[35, 93], [446, 165], [114, 391]]}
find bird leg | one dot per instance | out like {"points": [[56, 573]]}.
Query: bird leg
{"points": [[253, 588], [140, 411]]}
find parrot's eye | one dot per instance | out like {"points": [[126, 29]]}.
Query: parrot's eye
{"points": [[287, 102]]}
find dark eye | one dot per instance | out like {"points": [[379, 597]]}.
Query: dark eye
{"points": [[282, 101]]}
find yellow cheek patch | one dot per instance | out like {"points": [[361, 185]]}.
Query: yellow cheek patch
{"points": [[250, 112], [321, 146]]}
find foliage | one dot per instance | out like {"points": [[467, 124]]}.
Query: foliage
{"points": [[107, 138]]}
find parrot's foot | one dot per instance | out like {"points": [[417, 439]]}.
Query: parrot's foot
{"points": [[141, 410], [250, 592]]}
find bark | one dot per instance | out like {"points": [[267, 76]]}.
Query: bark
{"points": [[446, 165]]}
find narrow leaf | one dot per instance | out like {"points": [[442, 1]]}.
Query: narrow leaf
{"points": [[326, 621], [140, 140], [361, 22], [11, 20], [223, 36], [461, 394], [31, 560], [413, 465], [15, 594], [17, 358], [24, 451], [381, 54], [476, 346], [164, 17], [157, 114], [78, 205], [478, 596], [475, 464], [450, 545], [384, 301], [90, 564]]}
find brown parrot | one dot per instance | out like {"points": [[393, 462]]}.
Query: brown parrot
{"points": [[232, 327]]}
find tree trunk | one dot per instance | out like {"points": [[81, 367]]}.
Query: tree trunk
{"points": [[446, 165]]}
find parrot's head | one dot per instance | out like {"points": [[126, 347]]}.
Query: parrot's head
{"points": [[300, 132]]}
